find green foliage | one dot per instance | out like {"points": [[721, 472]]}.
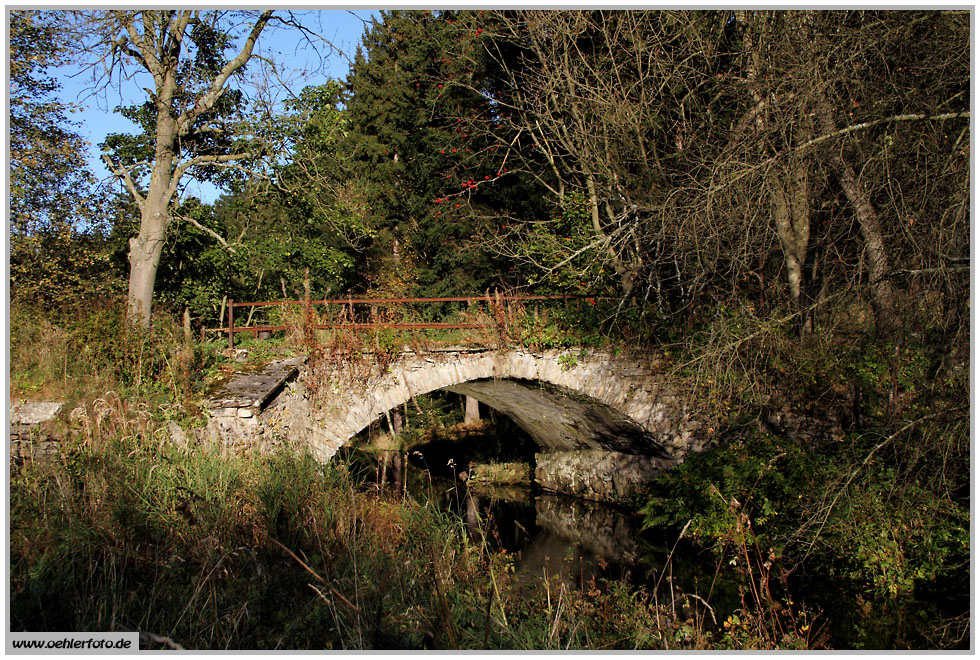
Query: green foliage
{"points": [[444, 165], [575, 323], [50, 185], [897, 535], [420, 106], [57, 253], [227, 127], [872, 368], [882, 509], [62, 268], [754, 476], [564, 255], [88, 351], [427, 417], [317, 181]]}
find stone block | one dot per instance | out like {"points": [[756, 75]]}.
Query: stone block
{"points": [[595, 474], [500, 473], [32, 413]]}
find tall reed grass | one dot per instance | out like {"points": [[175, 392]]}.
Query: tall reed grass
{"points": [[123, 531]]}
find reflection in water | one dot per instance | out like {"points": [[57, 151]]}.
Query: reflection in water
{"points": [[579, 540], [584, 542], [601, 531], [587, 543]]}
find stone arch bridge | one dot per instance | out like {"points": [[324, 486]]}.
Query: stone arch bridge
{"points": [[604, 420]]}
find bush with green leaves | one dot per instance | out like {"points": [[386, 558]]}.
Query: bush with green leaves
{"points": [[753, 474]]}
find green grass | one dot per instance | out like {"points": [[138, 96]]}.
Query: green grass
{"points": [[123, 531]]}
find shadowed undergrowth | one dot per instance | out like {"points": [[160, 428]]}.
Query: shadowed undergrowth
{"points": [[124, 532]]}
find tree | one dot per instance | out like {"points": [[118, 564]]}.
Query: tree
{"points": [[596, 103], [718, 148], [44, 152], [318, 192], [817, 95], [56, 254], [416, 90], [187, 130]]}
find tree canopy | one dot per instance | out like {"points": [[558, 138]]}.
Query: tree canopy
{"points": [[56, 222], [668, 158]]}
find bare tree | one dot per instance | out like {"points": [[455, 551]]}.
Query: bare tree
{"points": [[595, 104], [708, 142], [814, 92]]}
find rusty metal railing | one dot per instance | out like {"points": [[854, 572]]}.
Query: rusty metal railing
{"points": [[374, 324]]}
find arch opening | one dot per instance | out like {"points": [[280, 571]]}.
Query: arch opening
{"points": [[578, 445], [560, 419]]}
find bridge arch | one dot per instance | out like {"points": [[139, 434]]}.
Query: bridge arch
{"points": [[566, 400]]}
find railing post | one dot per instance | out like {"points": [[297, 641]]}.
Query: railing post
{"points": [[231, 323]]}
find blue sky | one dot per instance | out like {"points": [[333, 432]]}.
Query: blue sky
{"points": [[342, 28]]}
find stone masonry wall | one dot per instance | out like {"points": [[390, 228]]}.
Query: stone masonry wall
{"points": [[600, 475], [630, 384]]}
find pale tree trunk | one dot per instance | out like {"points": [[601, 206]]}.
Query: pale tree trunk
{"points": [[791, 215], [155, 217], [874, 243], [626, 274], [144, 258], [789, 185], [879, 268], [154, 40]]}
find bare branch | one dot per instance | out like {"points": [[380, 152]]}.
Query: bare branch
{"points": [[877, 122], [210, 232], [123, 173], [207, 101], [181, 169]]}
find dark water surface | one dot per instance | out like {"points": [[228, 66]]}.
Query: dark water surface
{"points": [[588, 543]]}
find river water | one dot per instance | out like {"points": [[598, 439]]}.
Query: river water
{"points": [[585, 543], [588, 543]]}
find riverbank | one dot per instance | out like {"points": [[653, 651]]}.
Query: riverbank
{"points": [[217, 551]]}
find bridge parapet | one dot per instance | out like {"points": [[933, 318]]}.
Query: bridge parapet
{"points": [[566, 399]]}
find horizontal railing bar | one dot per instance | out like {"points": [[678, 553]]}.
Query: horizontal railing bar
{"points": [[489, 298], [358, 326], [365, 301]]}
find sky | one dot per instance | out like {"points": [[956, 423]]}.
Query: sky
{"points": [[342, 28]]}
